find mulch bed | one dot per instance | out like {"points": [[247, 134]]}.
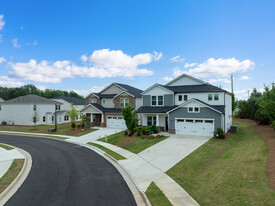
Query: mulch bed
{"points": [[125, 143], [268, 134]]}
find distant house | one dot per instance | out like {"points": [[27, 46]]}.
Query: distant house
{"points": [[1, 100], [62, 113], [28, 110]]}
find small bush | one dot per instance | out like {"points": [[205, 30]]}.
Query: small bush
{"points": [[147, 131], [73, 125], [139, 131], [78, 126], [82, 125], [261, 118], [154, 128], [220, 133]]}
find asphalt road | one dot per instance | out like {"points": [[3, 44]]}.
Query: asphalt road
{"points": [[67, 174]]}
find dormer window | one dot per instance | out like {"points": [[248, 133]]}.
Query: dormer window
{"points": [[193, 109], [157, 101]]}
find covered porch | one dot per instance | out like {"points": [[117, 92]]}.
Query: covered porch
{"points": [[158, 119], [96, 116]]}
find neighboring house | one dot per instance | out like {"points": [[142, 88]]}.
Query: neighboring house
{"points": [[65, 107], [186, 105], [104, 108], [28, 110], [1, 100]]}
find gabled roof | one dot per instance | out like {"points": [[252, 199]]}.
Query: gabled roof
{"points": [[103, 109], [73, 100], [30, 99], [194, 88], [155, 85], [132, 90], [216, 108], [122, 93], [184, 75], [149, 109]]}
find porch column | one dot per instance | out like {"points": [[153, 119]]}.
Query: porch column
{"points": [[157, 120], [92, 117], [102, 118]]}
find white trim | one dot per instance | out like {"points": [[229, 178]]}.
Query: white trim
{"points": [[184, 75], [123, 92], [88, 106], [155, 85], [190, 101]]}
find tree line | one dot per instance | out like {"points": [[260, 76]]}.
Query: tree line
{"points": [[259, 106], [10, 93]]}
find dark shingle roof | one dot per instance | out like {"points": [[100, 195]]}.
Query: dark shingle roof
{"points": [[194, 88], [107, 110], [73, 100], [105, 95], [148, 109], [132, 90], [30, 99]]}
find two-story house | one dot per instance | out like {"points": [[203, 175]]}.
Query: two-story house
{"points": [[186, 105], [104, 108], [28, 110]]}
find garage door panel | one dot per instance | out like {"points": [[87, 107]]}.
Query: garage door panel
{"points": [[116, 122], [194, 127]]}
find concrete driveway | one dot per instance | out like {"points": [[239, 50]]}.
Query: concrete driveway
{"points": [[101, 132], [169, 152]]}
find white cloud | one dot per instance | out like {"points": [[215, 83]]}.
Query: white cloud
{"points": [[88, 91], [2, 22], [15, 43], [9, 82], [1, 38], [176, 72], [42, 87], [35, 42], [244, 78], [2, 59], [227, 81], [177, 59], [220, 67], [186, 65], [102, 63], [242, 94]]}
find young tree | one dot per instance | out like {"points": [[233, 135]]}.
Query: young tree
{"points": [[130, 117], [267, 103], [73, 113]]}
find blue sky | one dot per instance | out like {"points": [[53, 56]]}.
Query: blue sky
{"points": [[86, 45]]}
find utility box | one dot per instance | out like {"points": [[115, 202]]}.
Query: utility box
{"points": [[233, 129], [51, 130]]}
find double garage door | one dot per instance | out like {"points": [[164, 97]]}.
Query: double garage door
{"points": [[199, 127], [116, 122]]}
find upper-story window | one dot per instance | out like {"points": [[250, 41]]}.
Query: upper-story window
{"points": [[92, 100], [185, 97], [103, 101], [57, 107], [210, 97], [193, 109], [216, 97], [157, 100], [34, 107], [180, 98], [124, 102]]}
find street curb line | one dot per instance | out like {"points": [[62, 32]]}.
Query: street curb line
{"points": [[20, 178], [143, 195]]}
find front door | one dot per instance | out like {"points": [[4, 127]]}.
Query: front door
{"points": [[166, 124]]}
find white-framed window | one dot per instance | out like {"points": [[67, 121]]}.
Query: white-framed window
{"points": [[157, 100], [151, 120], [193, 109], [44, 119], [180, 98], [189, 120], [216, 97], [92, 101], [57, 107], [103, 101], [185, 97], [52, 118], [124, 102], [210, 97], [34, 107]]}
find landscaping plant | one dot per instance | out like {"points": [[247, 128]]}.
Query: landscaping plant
{"points": [[220, 133], [130, 117], [73, 114]]}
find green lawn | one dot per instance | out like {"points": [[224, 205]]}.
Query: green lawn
{"points": [[109, 152], [11, 174], [138, 145], [156, 197], [62, 129], [6, 147], [231, 172]]}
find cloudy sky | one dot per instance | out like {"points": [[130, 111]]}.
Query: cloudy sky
{"points": [[86, 45]]}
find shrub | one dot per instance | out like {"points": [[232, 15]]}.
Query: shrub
{"points": [[220, 133], [154, 128], [78, 126], [273, 123], [73, 125], [82, 125], [139, 131], [147, 131], [261, 118]]}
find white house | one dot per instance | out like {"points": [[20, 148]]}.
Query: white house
{"points": [[1, 100], [28, 110]]}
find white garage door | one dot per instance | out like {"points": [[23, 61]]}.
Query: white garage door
{"points": [[199, 127], [116, 122]]}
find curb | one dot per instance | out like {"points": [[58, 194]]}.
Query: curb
{"points": [[144, 197], [18, 181]]}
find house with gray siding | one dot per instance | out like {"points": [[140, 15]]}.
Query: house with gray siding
{"points": [[186, 105]]}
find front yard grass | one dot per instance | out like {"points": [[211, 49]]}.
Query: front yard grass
{"points": [[62, 129], [108, 151], [132, 144], [6, 147], [156, 197], [11, 174], [227, 172]]}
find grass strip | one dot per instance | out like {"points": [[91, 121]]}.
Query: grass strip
{"points": [[6, 147], [108, 151], [11, 174], [156, 197]]}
